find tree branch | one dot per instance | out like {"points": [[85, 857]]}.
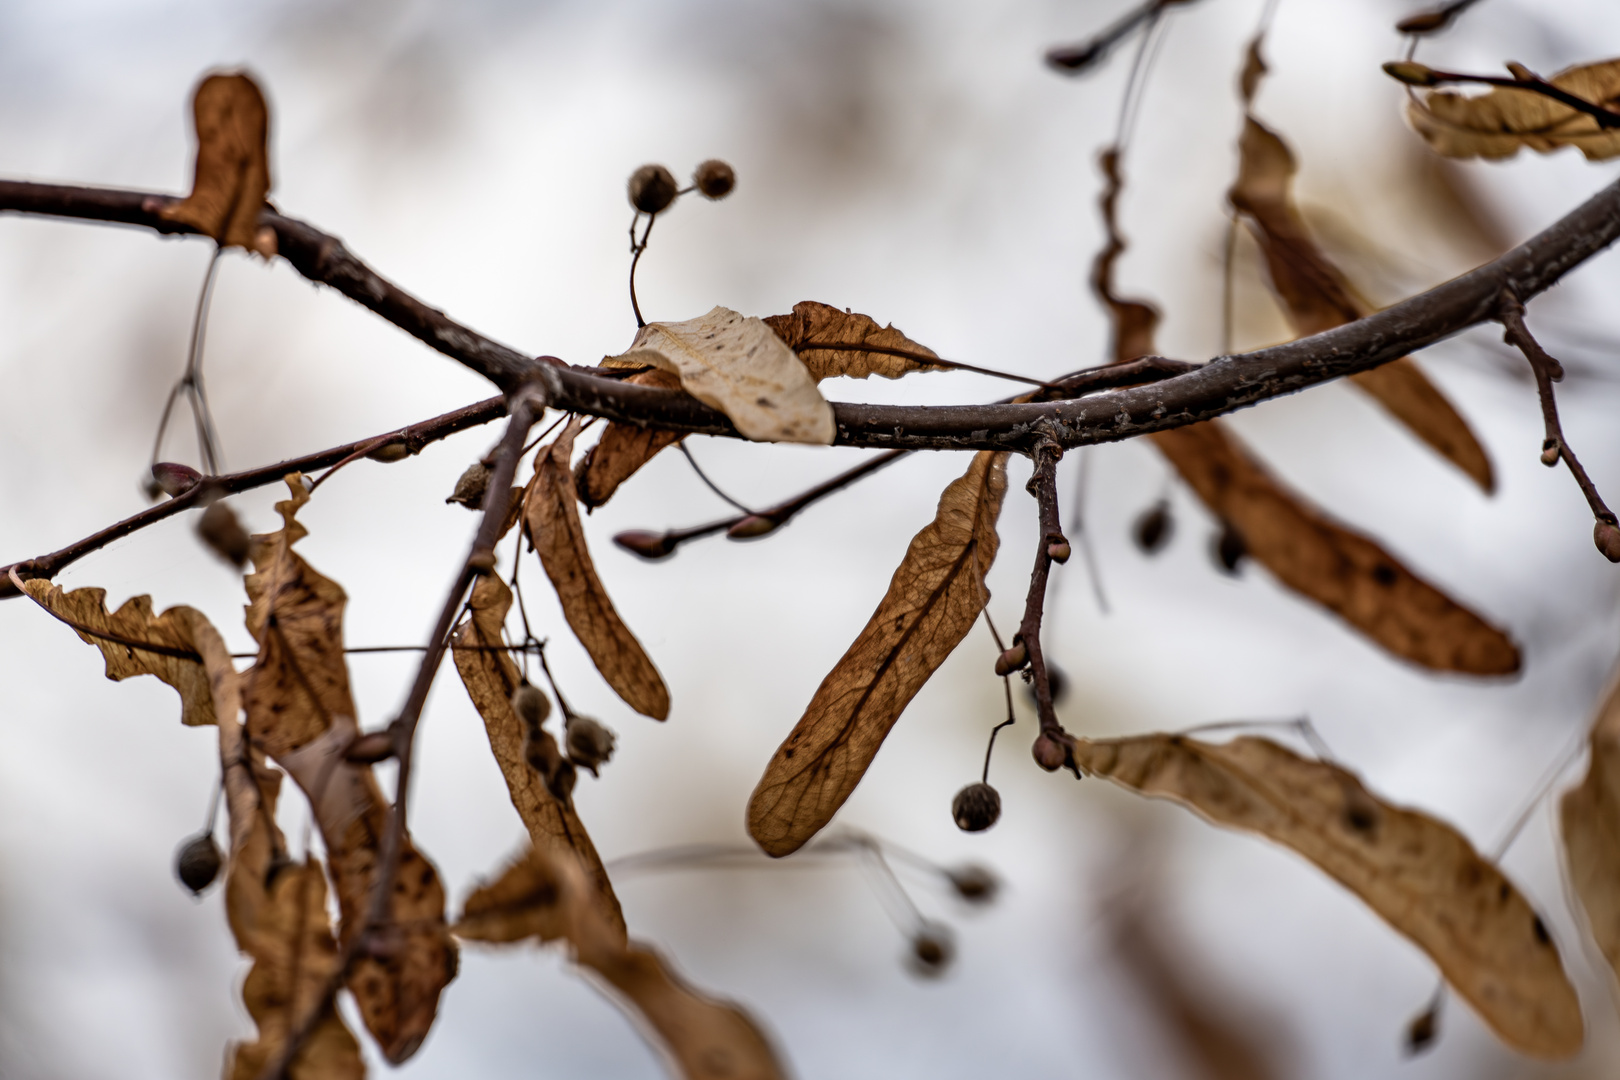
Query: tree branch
{"points": [[1050, 752], [1224, 385], [412, 438]]}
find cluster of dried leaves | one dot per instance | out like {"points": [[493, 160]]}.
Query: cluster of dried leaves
{"points": [[393, 949]]}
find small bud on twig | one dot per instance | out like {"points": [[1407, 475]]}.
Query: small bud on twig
{"points": [[389, 453], [752, 526], [370, 748], [1411, 73], [1607, 538], [1550, 453], [651, 546], [1013, 659], [174, 479], [1049, 754]]}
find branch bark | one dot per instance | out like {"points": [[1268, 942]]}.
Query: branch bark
{"points": [[1224, 385]]}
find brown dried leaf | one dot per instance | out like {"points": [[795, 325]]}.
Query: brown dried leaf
{"points": [[134, 622], [737, 365], [233, 164], [1497, 124], [1133, 321], [933, 599], [1419, 874], [1316, 296], [555, 530], [544, 894], [1590, 815], [1345, 572], [490, 678], [300, 711], [622, 449], [814, 331]]}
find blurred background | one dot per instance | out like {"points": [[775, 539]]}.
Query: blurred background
{"points": [[914, 161]]}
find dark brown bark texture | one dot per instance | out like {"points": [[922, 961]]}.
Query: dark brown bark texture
{"points": [[1224, 385]]}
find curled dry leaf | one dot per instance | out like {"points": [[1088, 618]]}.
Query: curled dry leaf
{"points": [[933, 599], [125, 629], [1133, 321], [544, 894], [622, 449], [816, 331], [1496, 125], [233, 164], [1316, 296], [300, 712], [737, 365], [277, 912], [491, 678], [1342, 570], [555, 530], [1419, 874], [1590, 815]]}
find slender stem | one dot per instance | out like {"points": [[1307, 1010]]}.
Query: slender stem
{"points": [[414, 437], [1548, 371], [637, 250], [926, 358], [707, 482]]}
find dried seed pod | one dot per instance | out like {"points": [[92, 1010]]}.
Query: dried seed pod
{"points": [[370, 748], [651, 546], [541, 752], [1049, 754], [174, 479], [714, 179], [221, 531], [752, 526], [974, 883], [1421, 1032], [652, 188], [932, 949], [1607, 538], [388, 453], [589, 742], [197, 862], [471, 487], [1411, 73], [531, 705], [976, 807], [1229, 550], [1013, 659], [1058, 550], [1153, 528]]}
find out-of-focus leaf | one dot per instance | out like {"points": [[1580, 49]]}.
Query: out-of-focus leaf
{"points": [[1345, 572], [300, 712], [233, 164], [544, 894], [814, 331], [491, 678], [132, 623], [1316, 296], [1133, 321], [554, 527], [622, 449], [1418, 873], [1496, 125], [933, 599], [1590, 814], [737, 365]]}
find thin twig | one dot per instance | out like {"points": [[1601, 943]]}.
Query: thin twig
{"points": [[709, 483], [1548, 371], [414, 437], [1042, 485]]}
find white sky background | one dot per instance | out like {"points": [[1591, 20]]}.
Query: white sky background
{"points": [[910, 160]]}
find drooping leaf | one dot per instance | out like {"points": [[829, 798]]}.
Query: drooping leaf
{"points": [[622, 449], [933, 599], [554, 527], [276, 910], [491, 678], [544, 894], [1316, 296], [1342, 570], [300, 711], [1497, 124], [232, 177], [1590, 815], [1416, 872], [125, 628], [737, 365], [814, 331]]}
